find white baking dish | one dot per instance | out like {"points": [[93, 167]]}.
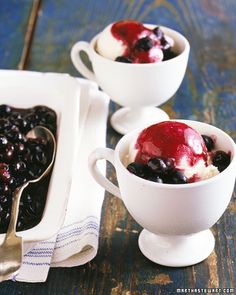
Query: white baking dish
{"points": [[60, 92]]}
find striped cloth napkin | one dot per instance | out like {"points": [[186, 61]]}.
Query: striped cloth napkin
{"points": [[77, 241]]}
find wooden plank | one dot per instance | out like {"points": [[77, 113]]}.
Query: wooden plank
{"points": [[206, 94], [13, 25], [29, 34]]}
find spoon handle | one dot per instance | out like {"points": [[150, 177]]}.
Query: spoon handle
{"points": [[15, 210]]}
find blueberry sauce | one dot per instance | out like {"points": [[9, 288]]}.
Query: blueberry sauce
{"points": [[165, 148], [22, 159], [143, 45]]}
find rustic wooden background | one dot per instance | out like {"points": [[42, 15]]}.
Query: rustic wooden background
{"points": [[38, 35]]}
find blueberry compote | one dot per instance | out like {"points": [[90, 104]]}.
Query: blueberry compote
{"points": [[143, 45], [165, 151], [22, 159]]}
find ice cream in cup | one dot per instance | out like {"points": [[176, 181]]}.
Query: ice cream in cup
{"points": [[140, 66], [176, 179]]}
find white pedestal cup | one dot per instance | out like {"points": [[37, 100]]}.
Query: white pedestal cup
{"points": [[137, 87], [176, 217]]}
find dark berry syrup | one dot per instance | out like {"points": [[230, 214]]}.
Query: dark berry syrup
{"points": [[22, 159], [171, 139], [143, 45]]}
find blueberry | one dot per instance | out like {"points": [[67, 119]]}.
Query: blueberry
{"points": [[168, 54], [5, 110], [4, 189], [176, 177], [11, 128], [208, 142], [19, 148], [155, 178], [28, 157], [5, 125], [40, 110], [19, 167], [35, 171], [124, 59], [144, 44], [169, 163], [158, 32], [22, 124], [9, 152], [4, 166], [221, 160], [5, 200], [157, 165], [15, 116], [16, 136], [164, 44], [12, 183], [3, 141], [160, 165], [36, 152], [5, 175], [32, 120], [41, 158], [139, 169], [50, 117], [12, 132], [32, 145], [20, 179]]}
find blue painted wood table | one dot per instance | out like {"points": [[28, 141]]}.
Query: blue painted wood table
{"points": [[38, 35]]}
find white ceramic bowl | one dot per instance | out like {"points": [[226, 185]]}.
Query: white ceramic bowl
{"points": [[138, 87], [133, 85], [60, 92], [176, 218]]}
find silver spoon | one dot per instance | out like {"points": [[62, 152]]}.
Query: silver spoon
{"points": [[11, 248]]}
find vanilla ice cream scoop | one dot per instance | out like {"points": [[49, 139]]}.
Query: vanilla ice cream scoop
{"points": [[108, 46], [173, 152], [171, 139], [132, 42]]}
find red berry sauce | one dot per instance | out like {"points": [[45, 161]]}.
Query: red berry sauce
{"points": [[170, 139], [143, 45]]}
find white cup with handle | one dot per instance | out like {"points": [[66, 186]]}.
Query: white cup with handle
{"points": [[176, 217], [137, 87]]}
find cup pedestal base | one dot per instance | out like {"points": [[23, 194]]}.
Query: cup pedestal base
{"points": [[176, 251], [126, 119]]}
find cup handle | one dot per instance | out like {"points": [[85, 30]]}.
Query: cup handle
{"points": [[78, 62], [100, 154]]}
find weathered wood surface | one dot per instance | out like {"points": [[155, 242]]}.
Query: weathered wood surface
{"points": [[208, 93]]}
